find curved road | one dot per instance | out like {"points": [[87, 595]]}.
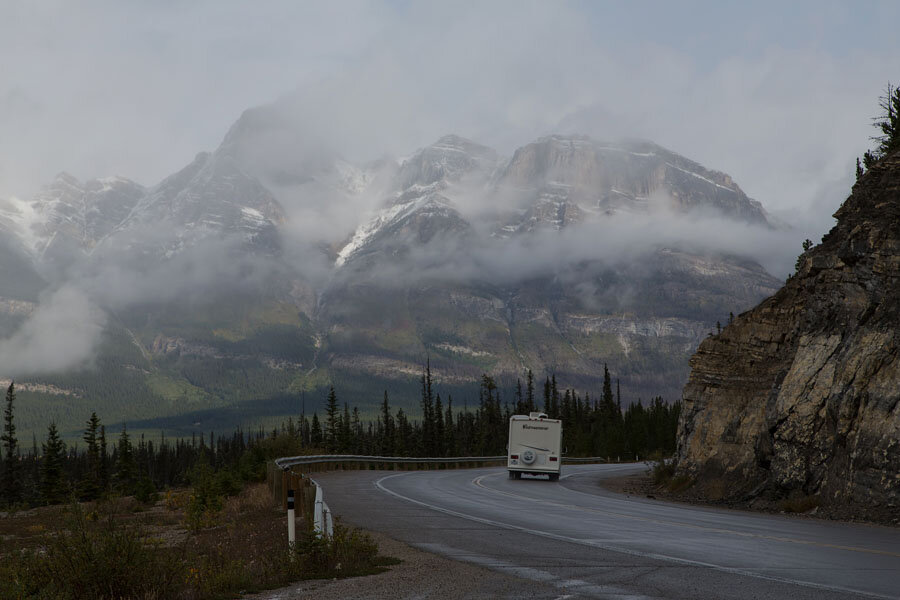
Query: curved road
{"points": [[574, 539]]}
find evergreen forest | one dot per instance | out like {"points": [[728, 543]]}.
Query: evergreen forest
{"points": [[593, 425]]}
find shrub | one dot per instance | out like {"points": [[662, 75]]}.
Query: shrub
{"points": [[662, 471], [105, 561], [349, 552], [205, 500], [145, 491]]}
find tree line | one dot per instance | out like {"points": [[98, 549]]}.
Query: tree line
{"points": [[593, 425]]}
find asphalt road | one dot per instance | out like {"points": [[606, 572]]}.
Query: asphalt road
{"points": [[573, 539]]}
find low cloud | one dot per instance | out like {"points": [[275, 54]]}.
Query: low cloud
{"points": [[62, 333], [622, 241]]}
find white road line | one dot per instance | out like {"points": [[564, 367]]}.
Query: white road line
{"points": [[478, 482], [593, 543]]}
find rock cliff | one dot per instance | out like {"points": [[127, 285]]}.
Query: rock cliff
{"points": [[801, 395]]}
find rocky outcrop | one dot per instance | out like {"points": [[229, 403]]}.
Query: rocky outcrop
{"points": [[563, 178], [801, 395], [70, 215]]}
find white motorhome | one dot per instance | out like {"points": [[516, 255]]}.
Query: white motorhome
{"points": [[535, 446]]}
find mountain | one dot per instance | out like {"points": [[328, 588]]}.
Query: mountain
{"points": [[413, 280], [416, 210], [66, 220], [210, 197], [267, 269], [68, 215], [798, 397]]}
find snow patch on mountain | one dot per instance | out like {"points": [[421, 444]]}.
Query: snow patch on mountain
{"points": [[370, 229]]}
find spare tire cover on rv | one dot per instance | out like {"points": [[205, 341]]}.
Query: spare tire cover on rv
{"points": [[528, 457]]}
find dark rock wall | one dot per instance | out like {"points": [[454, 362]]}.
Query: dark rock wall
{"points": [[802, 393]]}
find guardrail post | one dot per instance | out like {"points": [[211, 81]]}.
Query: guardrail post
{"points": [[292, 523], [329, 522]]}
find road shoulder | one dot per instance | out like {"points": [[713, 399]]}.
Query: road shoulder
{"points": [[421, 574]]}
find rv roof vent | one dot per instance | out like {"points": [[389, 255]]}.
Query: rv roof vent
{"points": [[537, 415]]}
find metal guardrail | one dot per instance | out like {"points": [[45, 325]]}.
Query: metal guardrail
{"points": [[290, 461], [315, 459], [323, 523]]}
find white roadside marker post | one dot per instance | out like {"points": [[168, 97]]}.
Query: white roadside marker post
{"points": [[292, 523], [318, 518]]}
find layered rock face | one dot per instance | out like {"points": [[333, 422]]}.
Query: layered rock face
{"points": [[801, 395]]}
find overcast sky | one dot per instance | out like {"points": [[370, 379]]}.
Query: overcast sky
{"points": [[778, 97]]}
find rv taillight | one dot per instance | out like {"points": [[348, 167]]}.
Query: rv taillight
{"points": [[553, 459], [514, 456]]}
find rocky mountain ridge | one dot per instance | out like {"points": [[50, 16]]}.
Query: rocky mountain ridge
{"points": [[799, 397], [422, 274], [552, 183], [566, 177]]}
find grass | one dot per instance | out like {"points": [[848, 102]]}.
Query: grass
{"points": [[123, 549]]}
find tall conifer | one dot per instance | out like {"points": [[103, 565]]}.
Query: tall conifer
{"points": [[126, 468], [11, 480], [331, 421], [52, 489]]}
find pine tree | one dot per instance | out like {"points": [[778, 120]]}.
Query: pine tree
{"points": [[548, 402], [11, 481], [315, 432], [607, 386], [450, 444], [404, 434], [554, 398], [126, 469], [387, 428], [346, 431], [519, 399], [807, 244], [888, 122], [304, 431], [859, 170], [103, 467], [331, 421], [89, 486], [52, 489], [357, 432], [529, 393], [438, 427], [428, 424], [869, 159]]}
